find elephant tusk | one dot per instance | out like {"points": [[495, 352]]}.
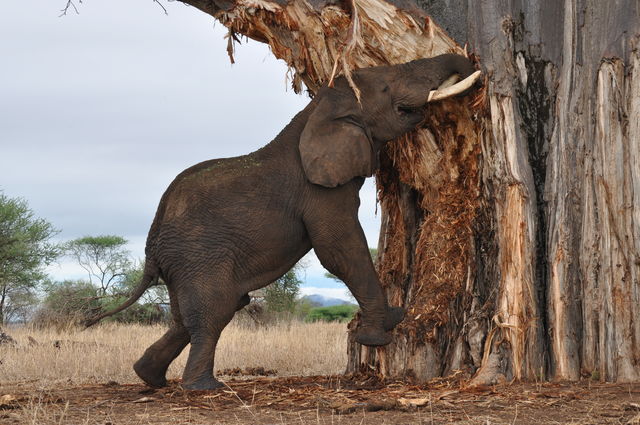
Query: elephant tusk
{"points": [[450, 88], [449, 81]]}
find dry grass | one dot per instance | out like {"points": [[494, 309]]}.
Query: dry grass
{"points": [[106, 353]]}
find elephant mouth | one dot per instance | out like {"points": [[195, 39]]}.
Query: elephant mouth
{"points": [[411, 111]]}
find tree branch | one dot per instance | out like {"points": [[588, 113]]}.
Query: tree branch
{"points": [[207, 6], [70, 5], [162, 6]]}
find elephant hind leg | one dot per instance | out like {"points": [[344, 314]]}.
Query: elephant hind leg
{"points": [[152, 366]]}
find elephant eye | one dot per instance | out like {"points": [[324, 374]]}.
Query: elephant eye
{"points": [[351, 119], [385, 89]]}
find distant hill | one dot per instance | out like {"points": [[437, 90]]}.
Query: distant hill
{"points": [[322, 301]]}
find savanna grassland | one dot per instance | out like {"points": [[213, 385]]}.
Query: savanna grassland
{"points": [[105, 353], [285, 373]]}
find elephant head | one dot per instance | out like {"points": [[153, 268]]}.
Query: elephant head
{"points": [[343, 135]]}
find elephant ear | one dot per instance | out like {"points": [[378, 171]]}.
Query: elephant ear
{"points": [[333, 147]]}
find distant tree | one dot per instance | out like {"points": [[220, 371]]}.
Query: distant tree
{"points": [[281, 295], [147, 313], [303, 307], [22, 303], [374, 254], [104, 258], [25, 249]]}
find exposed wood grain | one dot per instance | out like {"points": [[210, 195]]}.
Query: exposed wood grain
{"points": [[610, 231]]}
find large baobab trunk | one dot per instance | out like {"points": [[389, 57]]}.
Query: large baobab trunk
{"points": [[511, 222]]}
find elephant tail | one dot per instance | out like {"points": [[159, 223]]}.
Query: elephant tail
{"points": [[149, 278]]}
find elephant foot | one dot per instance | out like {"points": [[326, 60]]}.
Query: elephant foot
{"points": [[149, 374], [372, 337], [394, 316], [203, 384]]}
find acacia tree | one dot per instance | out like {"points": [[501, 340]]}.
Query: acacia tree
{"points": [[25, 249], [511, 220], [105, 259], [281, 295]]}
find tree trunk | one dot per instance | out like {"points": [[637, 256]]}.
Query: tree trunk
{"points": [[3, 300], [511, 223]]}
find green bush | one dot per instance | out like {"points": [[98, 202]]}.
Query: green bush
{"points": [[336, 313]]}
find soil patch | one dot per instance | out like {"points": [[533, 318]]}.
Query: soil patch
{"points": [[323, 400]]}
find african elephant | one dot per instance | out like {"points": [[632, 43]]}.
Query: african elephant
{"points": [[225, 227]]}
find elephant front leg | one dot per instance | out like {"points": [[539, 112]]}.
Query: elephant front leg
{"points": [[342, 248]]}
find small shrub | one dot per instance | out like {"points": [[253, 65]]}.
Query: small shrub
{"points": [[67, 304]]}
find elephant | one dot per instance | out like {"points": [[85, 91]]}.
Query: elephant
{"points": [[229, 226]]}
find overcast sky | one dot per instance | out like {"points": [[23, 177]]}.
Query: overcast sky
{"points": [[100, 111]]}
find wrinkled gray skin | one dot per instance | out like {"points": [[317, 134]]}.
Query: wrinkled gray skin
{"points": [[225, 227]]}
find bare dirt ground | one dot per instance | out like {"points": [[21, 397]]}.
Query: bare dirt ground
{"points": [[323, 400]]}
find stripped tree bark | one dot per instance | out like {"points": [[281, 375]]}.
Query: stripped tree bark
{"points": [[511, 221]]}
